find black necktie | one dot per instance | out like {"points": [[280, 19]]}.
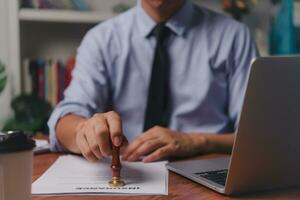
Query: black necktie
{"points": [[157, 110]]}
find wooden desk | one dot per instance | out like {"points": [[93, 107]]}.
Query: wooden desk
{"points": [[179, 187]]}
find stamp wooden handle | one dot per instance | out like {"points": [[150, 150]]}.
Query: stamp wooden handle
{"points": [[116, 168], [116, 164]]}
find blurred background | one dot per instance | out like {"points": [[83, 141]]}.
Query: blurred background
{"points": [[39, 38]]}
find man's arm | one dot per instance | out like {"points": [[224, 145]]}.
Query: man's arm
{"points": [[66, 131], [218, 143], [158, 143], [73, 125]]}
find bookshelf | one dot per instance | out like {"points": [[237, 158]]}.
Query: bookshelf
{"points": [[49, 33]]}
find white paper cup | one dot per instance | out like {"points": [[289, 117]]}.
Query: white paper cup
{"points": [[16, 163]]}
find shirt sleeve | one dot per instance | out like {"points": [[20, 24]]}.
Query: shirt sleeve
{"points": [[88, 90], [243, 52]]}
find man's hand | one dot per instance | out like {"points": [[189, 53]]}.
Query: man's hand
{"points": [[94, 135], [158, 143]]}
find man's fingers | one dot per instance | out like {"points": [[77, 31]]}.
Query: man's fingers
{"points": [[92, 143], [115, 127], [124, 146], [146, 148], [148, 135], [98, 133], [132, 147], [84, 148], [158, 154], [101, 135]]}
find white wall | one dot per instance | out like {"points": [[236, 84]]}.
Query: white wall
{"points": [[5, 97]]}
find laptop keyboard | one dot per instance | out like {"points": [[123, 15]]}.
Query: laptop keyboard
{"points": [[218, 176]]}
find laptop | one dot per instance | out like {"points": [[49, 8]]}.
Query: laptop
{"points": [[266, 151]]}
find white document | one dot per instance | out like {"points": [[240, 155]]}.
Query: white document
{"points": [[73, 175]]}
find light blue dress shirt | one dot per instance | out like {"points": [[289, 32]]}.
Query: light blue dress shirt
{"points": [[210, 60]]}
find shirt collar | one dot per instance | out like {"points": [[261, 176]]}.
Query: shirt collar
{"points": [[178, 23]]}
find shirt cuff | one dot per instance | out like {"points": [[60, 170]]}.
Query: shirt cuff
{"points": [[57, 114]]}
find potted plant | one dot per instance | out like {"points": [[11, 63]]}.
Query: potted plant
{"points": [[30, 112]]}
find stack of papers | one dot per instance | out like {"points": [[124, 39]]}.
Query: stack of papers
{"points": [[73, 175], [42, 146]]}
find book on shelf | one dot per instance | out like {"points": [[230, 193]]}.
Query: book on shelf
{"points": [[46, 79], [80, 5], [26, 79]]}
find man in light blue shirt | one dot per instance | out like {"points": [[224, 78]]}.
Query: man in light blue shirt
{"points": [[209, 60]]}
